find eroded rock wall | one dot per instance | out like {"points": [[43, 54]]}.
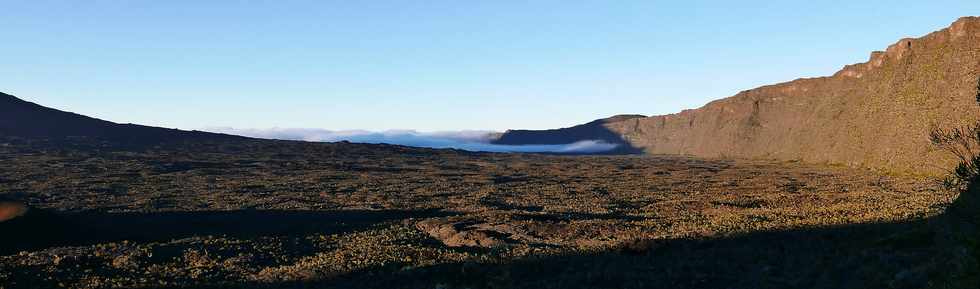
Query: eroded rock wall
{"points": [[875, 114]]}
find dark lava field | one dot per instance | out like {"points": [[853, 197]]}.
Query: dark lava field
{"points": [[279, 214]]}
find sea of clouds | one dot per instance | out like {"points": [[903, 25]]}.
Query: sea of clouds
{"points": [[465, 140]]}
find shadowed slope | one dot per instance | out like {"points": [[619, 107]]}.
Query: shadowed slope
{"points": [[19, 118], [595, 130]]}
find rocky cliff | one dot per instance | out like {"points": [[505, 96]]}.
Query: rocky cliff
{"points": [[875, 114]]}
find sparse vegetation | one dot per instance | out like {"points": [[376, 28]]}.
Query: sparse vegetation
{"points": [[964, 144], [961, 222]]}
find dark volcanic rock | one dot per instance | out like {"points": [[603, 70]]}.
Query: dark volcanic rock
{"points": [[875, 114]]}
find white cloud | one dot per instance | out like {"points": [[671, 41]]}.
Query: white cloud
{"points": [[464, 140]]}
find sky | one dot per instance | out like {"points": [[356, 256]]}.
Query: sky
{"points": [[429, 66]]}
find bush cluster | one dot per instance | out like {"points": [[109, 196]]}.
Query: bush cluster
{"points": [[964, 143]]}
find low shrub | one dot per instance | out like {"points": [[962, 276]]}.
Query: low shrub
{"points": [[964, 143]]}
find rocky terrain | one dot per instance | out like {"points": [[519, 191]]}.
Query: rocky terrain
{"points": [[198, 210], [277, 214], [85, 206], [873, 114]]}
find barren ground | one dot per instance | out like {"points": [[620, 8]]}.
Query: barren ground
{"points": [[288, 214]]}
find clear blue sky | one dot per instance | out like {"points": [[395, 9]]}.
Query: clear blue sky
{"points": [[429, 65]]}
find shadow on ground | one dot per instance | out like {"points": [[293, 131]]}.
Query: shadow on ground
{"points": [[939, 252], [43, 229]]}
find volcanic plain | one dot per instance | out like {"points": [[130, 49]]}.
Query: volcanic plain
{"points": [[279, 214]]}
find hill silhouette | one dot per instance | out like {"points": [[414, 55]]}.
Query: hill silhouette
{"points": [[595, 130], [874, 114], [24, 119]]}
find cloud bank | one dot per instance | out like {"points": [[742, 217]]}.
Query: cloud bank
{"points": [[464, 140]]}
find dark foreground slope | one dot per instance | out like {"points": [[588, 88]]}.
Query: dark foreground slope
{"points": [[23, 119], [875, 114]]}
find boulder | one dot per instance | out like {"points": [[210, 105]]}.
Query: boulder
{"points": [[11, 209]]}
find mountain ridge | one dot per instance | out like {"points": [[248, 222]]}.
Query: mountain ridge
{"points": [[594, 130], [873, 114], [21, 118]]}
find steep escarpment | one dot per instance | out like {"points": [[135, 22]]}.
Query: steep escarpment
{"points": [[875, 114]]}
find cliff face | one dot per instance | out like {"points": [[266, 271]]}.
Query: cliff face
{"points": [[875, 114]]}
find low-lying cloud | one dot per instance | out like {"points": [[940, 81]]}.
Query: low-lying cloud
{"points": [[464, 140]]}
